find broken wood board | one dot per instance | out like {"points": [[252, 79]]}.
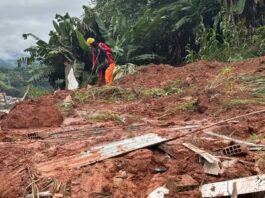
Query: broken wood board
{"points": [[181, 183], [212, 165], [241, 186], [102, 152], [40, 194], [232, 139]]}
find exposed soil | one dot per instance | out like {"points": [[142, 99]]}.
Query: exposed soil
{"points": [[33, 114], [40, 151]]}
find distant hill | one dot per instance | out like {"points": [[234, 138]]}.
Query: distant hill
{"points": [[8, 63]]}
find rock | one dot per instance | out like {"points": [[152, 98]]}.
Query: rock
{"points": [[261, 164], [189, 80], [117, 181], [68, 99], [202, 104], [122, 174], [57, 195], [229, 163]]}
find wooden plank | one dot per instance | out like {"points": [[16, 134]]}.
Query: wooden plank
{"points": [[211, 159], [241, 186], [232, 139], [212, 165]]}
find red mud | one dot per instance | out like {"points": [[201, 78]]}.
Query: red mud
{"points": [[33, 114], [138, 173]]}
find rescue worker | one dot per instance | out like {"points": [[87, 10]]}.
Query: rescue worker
{"points": [[102, 60]]}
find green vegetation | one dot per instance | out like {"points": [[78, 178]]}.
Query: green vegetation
{"points": [[106, 93], [256, 137], [115, 93], [238, 103], [183, 107], [158, 92], [228, 42], [14, 81], [256, 84], [9, 81], [141, 31], [188, 106], [225, 78], [105, 116], [66, 107], [37, 91]]}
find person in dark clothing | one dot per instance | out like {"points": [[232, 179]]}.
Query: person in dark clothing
{"points": [[102, 60]]}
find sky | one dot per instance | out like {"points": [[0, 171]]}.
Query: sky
{"points": [[30, 16]]}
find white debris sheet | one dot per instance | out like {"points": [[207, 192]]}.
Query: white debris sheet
{"points": [[240, 186], [159, 193]]}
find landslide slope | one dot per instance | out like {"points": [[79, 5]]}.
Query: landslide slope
{"points": [[169, 101]]}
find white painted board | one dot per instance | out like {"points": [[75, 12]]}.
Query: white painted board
{"points": [[243, 186]]}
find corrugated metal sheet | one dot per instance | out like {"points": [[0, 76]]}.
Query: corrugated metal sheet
{"points": [[124, 146], [99, 153]]}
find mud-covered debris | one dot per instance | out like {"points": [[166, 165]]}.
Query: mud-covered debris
{"points": [[229, 163], [161, 169], [57, 195], [182, 183], [40, 195], [159, 193], [211, 164]]}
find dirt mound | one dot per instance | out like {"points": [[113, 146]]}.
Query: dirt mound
{"points": [[32, 114], [160, 75]]}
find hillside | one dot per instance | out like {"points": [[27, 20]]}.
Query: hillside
{"points": [[43, 140], [8, 63]]}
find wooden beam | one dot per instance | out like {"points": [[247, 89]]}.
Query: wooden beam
{"points": [[212, 165]]}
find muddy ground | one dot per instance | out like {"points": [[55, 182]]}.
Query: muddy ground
{"points": [[42, 138]]}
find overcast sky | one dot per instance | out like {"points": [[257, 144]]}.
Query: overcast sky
{"points": [[30, 16]]}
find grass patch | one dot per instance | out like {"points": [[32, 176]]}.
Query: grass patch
{"points": [[184, 107], [225, 78], [108, 93], [37, 92], [159, 92], [256, 137], [105, 116], [65, 108], [256, 84], [238, 103], [189, 106], [115, 93]]}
